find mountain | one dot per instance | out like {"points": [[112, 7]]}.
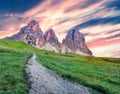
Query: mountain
{"points": [[51, 41], [75, 42], [32, 34]]}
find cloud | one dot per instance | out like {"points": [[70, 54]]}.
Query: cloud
{"points": [[100, 42], [10, 20], [113, 4], [18, 6], [109, 51], [102, 36], [82, 5], [116, 30], [99, 21], [116, 53]]}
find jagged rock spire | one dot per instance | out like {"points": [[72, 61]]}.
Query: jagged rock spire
{"points": [[51, 37], [75, 41]]}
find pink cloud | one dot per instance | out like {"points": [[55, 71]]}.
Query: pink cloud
{"points": [[52, 13]]}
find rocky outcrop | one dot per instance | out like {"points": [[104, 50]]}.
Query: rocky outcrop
{"points": [[75, 43], [50, 37], [32, 34]]}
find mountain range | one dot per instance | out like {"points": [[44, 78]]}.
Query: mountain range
{"points": [[74, 41]]}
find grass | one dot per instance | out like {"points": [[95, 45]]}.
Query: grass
{"points": [[11, 72], [96, 73], [101, 75]]}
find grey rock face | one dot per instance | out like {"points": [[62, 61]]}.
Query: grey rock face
{"points": [[32, 34], [75, 41], [51, 41], [51, 38]]}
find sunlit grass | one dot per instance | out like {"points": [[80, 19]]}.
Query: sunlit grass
{"points": [[11, 73], [99, 74]]}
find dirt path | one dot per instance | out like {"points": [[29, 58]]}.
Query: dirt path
{"points": [[44, 81]]}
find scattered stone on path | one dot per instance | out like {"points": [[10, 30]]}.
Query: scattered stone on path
{"points": [[44, 81]]}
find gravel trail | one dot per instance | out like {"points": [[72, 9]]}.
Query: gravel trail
{"points": [[44, 81]]}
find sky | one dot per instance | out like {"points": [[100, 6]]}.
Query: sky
{"points": [[98, 20]]}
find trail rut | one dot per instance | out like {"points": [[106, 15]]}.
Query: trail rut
{"points": [[44, 81]]}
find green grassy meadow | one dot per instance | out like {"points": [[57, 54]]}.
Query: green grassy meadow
{"points": [[11, 72], [100, 75]]}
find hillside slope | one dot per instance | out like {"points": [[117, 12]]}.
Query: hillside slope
{"points": [[45, 81], [100, 74], [11, 72]]}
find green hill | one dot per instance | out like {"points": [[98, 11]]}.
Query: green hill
{"points": [[101, 75]]}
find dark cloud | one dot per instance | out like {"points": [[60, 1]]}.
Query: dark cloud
{"points": [[106, 38], [99, 21], [3, 17], [1, 28], [113, 36], [7, 21], [112, 31], [113, 4], [86, 4], [64, 20], [19, 18], [17, 6], [90, 34], [86, 34], [55, 2]]}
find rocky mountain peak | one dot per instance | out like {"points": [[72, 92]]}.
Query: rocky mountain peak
{"points": [[32, 34], [75, 41], [33, 25], [75, 35], [49, 34], [51, 37]]}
